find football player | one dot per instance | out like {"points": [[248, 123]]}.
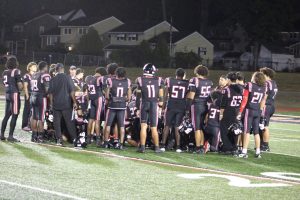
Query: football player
{"points": [[150, 96], [176, 90], [269, 109], [252, 104], [39, 90], [223, 81], [12, 81], [212, 125], [232, 96], [31, 69], [95, 95], [117, 95], [199, 91], [78, 79]]}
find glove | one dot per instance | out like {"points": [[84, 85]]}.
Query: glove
{"points": [[262, 122], [239, 117]]}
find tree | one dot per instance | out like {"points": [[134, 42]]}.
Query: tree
{"points": [[142, 54], [161, 55], [187, 60], [90, 43]]}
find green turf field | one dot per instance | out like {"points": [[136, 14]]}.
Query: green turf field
{"points": [[31, 171]]}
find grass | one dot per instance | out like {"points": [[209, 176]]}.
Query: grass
{"points": [[93, 176]]}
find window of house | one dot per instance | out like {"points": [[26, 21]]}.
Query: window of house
{"points": [[42, 29], [201, 51], [67, 31], [82, 31], [121, 37], [133, 37], [18, 28]]}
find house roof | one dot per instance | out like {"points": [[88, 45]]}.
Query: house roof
{"points": [[176, 36], [136, 26], [232, 54], [83, 21], [54, 31], [118, 47]]}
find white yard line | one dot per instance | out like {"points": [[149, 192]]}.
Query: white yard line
{"points": [[109, 154], [41, 190]]}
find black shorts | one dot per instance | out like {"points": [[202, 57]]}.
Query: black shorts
{"points": [[251, 121], [198, 113], [113, 114], [13, 103], [38, 106], [96, 109], [268, 113], [173, 117], [149, 111]]}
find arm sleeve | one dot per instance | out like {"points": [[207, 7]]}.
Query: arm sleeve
{"points": [[245, 100]]}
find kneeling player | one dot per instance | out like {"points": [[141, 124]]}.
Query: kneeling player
{"points": [[252, 103], [212, 129]]}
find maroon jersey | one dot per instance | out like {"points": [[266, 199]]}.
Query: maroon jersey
{"points": [[213, 115], [95, 87], [78, 83], [256, 94], [39, 82], [10, 79], [202, 89], [272, 90], [177, 90], [118, 92], [232, 97], [149, 87]]}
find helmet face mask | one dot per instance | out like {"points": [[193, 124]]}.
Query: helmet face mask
{"points": [[149, 70], [186, 127]]}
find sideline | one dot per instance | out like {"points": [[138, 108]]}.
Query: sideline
{"points": [[41, 190]]}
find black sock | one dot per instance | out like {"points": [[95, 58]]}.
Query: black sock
{"points": [[201, 147], [142, 146]]}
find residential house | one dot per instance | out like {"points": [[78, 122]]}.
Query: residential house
{"points": [[276, 57], [133, 33], [231, 60], [25, 35], [72, 31]]}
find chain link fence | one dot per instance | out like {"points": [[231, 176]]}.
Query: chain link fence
{"points": [[66, 59]]}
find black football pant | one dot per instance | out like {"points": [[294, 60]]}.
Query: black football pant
{"points": [[26, 113], [12, 107], [58, 115], [229, 140]]}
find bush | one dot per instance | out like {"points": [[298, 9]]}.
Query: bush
{"points": [[187, 60], [90, 44]]}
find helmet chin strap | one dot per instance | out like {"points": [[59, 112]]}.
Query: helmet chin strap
{"points": [[146, 74]]}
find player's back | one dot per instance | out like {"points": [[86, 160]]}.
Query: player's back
{"points": [[95, 87], [118, 92], [232, 98], [272, 90], [256, 94], [177, 90], [149, 87], [38, 82], [10, 79], [203, 88]]}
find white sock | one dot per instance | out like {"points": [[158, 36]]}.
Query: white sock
{"points": [[257, 151], [244, 151]]}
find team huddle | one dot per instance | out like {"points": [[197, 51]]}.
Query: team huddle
{"points": [[162, 114]]}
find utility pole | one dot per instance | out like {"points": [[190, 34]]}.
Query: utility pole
{"points": [[171, 34], [164, 12]]}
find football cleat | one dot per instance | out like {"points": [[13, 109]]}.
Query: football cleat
{"points": [[2, 138], [257, 155], [157, 150], [163, 149], [12, 139], [141, 150], [178, 151], [265, 148], [243, 155], [59, 142], [200, 151], [206, 147]]}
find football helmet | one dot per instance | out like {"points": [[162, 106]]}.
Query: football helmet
{"points": [[262, 123], [149, 69], [186, 126], [236, 128]]}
